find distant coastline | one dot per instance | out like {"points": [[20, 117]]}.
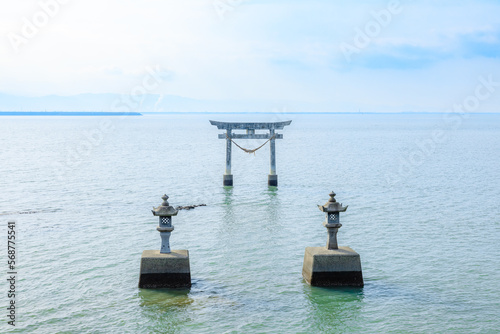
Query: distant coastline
{"points": [[67, 113]]}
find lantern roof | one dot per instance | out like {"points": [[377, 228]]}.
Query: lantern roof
{"points": [[332, 205], [164, 210]]}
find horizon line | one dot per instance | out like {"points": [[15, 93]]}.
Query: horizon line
{"points": [[111, 113]]}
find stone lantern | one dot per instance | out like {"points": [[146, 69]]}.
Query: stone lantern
{"points": [[165, 212], [332, 265], [165, 268], [332, 208]]}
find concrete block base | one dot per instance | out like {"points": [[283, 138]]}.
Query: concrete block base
{"points": [[165, 270], [336, 267], [272, 180], [228, 180]]}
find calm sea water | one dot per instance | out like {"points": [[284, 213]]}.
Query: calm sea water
{"points": [[422, 191]]}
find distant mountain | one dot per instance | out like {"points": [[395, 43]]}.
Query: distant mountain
{"points": [[143, 104], [96, 102]]}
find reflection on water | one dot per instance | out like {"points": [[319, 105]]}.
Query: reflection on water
{"points": [[272, 210], [165, 309], [228, 199], [170, 310], [334, 310], [165, 298], [228, 193], [228, 208]]}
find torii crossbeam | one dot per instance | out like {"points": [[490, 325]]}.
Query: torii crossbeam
{"points": [[250, 134]]}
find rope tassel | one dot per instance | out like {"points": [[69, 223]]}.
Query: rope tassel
{"points": [[248, 150]]}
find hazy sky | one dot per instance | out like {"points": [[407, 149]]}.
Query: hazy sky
{"points": [[408, 55]]}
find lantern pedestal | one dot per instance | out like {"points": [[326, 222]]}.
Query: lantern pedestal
{"points": [[159, 270], [332, 267]]}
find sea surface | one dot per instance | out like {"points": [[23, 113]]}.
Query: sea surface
{"points": [[424, 214]]}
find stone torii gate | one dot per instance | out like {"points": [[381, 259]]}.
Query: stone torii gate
{"points": [[250, 134]]}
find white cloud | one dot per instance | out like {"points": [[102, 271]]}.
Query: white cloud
{"points": [[271, 50]]}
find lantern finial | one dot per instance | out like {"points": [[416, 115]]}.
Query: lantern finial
{"points": [[164, 198]]}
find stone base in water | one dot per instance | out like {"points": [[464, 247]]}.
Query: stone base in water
{"points": [[228, 180], [165, 270], [335, 267], [272, 180]]}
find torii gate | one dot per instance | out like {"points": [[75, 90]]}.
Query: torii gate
{"points": [[250, 134]]}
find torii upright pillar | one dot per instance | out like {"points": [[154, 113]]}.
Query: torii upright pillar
{"points": [[228, 177], [250, 128], [272, 179]]}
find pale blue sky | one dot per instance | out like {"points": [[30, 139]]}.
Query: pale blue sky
{"points": [[426, 56]]}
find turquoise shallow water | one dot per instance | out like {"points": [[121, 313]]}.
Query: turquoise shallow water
{"points": [[423, 214]]}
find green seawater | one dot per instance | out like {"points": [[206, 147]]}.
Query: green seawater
{"points": [[423, 215]]}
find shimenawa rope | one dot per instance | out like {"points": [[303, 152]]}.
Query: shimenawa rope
{"points": [[246, 149]]}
